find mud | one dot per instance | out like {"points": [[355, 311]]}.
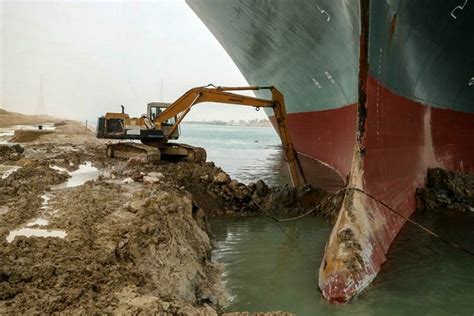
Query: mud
{"points": [[21, 191], [114, 259], [136, 238], [10, 153], [446, 190]]}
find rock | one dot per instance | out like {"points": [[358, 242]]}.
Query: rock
{"points": [[134, 206], [252, 186], [128, 180], [157, 175], [222, 178], [242, 193], [261, 188], [212, 194], [11, 152], [150, 180], [446, 190], [135, 161], [234, 185]]}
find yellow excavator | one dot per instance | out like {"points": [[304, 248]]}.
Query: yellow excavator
{"points": [[161, 124]]}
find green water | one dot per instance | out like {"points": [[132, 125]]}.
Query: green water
{"points": [[246, 153], [269, 267]]}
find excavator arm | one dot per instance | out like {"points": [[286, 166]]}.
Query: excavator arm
{"points": [[183, 105]]}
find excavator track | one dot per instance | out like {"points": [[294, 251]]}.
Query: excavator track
{"points": [[171, 151], [196, 154], [127, 150]]}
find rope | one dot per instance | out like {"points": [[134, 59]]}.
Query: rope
{"points": [[273, 219], [418, 225]]}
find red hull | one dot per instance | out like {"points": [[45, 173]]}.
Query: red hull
{"points": [[402, 139], [324, 141]]}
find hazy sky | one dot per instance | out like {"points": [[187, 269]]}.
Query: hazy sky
{"points": [[97, 55]]}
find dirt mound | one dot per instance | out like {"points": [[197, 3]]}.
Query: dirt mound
{"points": [[25, 136], [216, 193], [2, 111], [447, 190], [126, 251], [20, 193], [9, 153]]}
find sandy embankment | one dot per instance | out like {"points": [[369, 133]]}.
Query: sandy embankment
{"points": [[136, 237]]}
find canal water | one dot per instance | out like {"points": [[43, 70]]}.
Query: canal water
{"points": [[246, 153], [269, 267]]}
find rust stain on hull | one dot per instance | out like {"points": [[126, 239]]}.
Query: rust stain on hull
{"points": [[347, 266]]}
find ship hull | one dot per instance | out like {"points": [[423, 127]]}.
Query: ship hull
{"points": [[371, 106]]}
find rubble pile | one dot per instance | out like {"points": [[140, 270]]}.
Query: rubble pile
{"points": [[447, 190], [10, 153], [208, 183]]}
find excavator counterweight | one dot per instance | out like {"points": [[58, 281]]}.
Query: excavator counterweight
{"points": [[162, 121]]}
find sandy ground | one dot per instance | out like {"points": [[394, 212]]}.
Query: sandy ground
{"points": [[130, 246], [133, 239]]}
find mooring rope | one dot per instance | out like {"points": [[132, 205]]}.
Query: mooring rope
{"points": [[418, 225]]}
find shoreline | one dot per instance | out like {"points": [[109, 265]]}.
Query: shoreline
{"points": [[141, 228]]}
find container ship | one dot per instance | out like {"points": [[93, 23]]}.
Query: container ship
{"points": [[377, 91]]}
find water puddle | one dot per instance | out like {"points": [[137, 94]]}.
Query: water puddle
{"points": [[6, 170], [35, 232], [84, 173], [38, 222], [60, 169], [46, 197]]}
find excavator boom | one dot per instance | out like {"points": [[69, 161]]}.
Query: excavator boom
{"points": [[181, 107], [161, 124]]}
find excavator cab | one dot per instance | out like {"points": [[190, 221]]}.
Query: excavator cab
{"points": [[154, 110]]}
